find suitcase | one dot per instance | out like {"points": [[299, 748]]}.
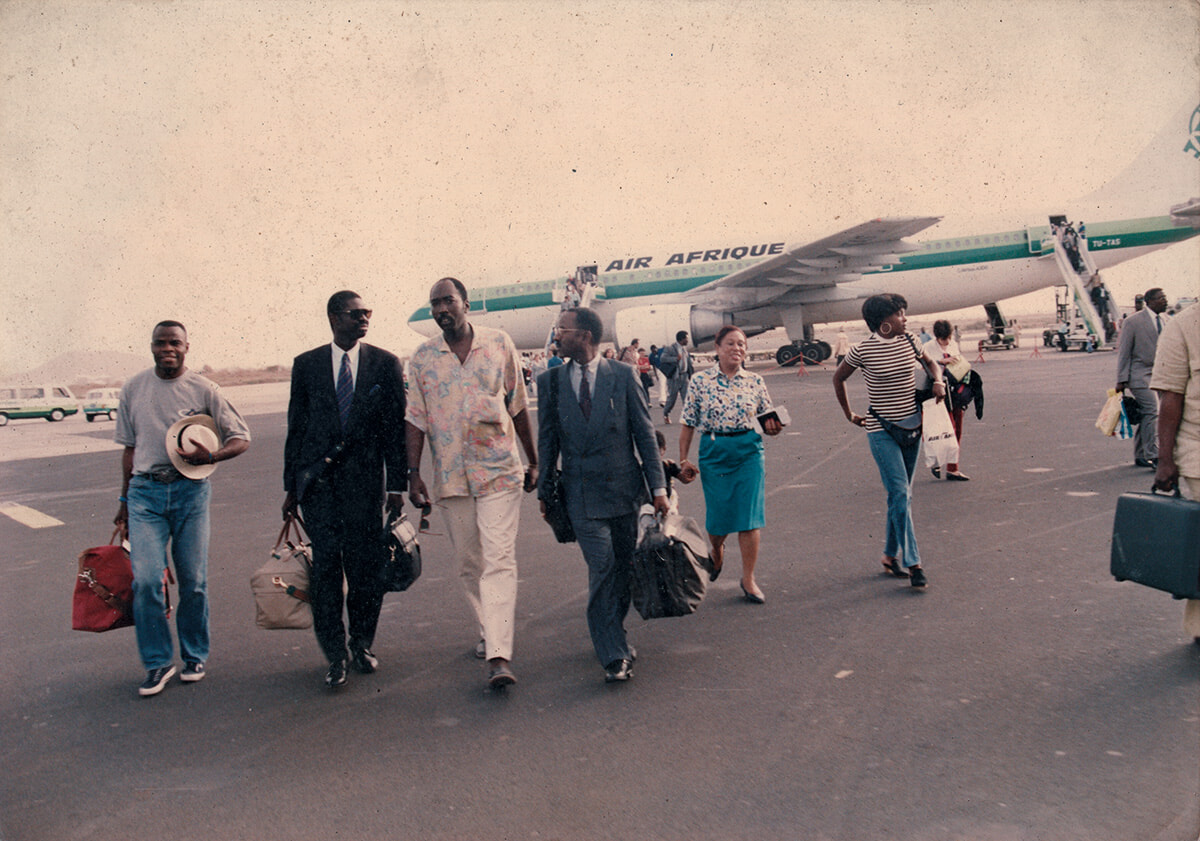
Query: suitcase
{"points": [[1156, 542]]}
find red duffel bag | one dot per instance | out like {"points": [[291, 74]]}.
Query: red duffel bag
{"points": [[103, 588]]}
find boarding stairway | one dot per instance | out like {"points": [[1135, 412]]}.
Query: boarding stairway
{"points": [[1077, 281]]}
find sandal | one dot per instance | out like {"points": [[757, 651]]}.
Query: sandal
{"points": [[893, 567]]}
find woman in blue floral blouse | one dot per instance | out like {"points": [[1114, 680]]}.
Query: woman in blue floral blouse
{"points": [[722, 403]]}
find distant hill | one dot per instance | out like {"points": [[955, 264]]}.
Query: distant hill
{"points": [[99, 368]]}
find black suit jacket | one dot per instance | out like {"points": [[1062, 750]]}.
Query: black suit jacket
{"points": [[368, 454]]}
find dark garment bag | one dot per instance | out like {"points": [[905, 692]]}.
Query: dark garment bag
{"points": [[668, 577], [1156, 542]]}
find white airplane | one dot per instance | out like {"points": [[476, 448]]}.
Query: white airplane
{"points": [[760, 286]]}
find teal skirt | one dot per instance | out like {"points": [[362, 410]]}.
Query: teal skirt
{"points": [[733, 476]]}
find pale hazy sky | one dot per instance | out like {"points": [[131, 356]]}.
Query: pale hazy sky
{"points": [[230, 164]]}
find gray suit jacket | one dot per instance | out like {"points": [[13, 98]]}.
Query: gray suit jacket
{"points": [[602, 475], [1138, 344]]}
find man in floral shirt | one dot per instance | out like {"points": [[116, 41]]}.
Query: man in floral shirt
{"points": [[466, 395]]}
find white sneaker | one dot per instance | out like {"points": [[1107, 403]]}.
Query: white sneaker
{"points": [[192, 672]]}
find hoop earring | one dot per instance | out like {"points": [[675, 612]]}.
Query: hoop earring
{"points": [[889, 329]]}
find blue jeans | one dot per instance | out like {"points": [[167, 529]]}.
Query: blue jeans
{"points": [[158, 512], [896, 465]]}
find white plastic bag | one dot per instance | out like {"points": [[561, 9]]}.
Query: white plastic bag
{"points": [[937, 434], [1110, 413]]}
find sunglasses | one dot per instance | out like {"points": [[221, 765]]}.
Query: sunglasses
{"points": [[357, 314]]}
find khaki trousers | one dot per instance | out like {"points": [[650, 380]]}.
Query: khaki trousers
{"points": [[483, 530]]}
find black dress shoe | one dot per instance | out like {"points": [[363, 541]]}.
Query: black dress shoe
{"points": [[618, 670], [335, 678], [1146, 462], [364, 662]]}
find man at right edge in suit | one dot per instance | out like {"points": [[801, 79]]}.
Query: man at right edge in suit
{"points": [[1135, 363], [345, 445], [602, 418]]}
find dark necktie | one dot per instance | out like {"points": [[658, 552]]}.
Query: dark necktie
{"points": [[1158, 322], [345, 389], [585, 394]]}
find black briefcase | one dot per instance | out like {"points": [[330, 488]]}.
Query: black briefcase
{"points": [[1156, 542]]}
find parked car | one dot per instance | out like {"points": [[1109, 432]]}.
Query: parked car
{"points": [[101, 402], [52, 402]]}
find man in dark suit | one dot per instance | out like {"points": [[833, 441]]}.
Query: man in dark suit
{"points": [[1135, 363], [600, 426], [345, 444]]}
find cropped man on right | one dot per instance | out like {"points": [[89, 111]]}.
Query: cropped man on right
{"points": [[1178, 387]]}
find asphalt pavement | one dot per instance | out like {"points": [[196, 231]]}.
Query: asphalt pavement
{"points": [[1025, 695]]}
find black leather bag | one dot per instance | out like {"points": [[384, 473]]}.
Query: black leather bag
{"points": [[555, 498], [669, 577], [902, 433], [556, 507], [401, 555]]}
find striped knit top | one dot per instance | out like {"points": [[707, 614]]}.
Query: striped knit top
{"points": [[888, 366]]}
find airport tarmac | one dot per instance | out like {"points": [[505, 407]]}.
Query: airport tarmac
{"points": [[1025, 695]]}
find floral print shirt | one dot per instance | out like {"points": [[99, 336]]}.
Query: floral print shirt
{"points": [[717, 403], [466, 409]]}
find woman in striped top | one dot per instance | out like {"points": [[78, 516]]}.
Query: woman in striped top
{"points": [[886, 359]]}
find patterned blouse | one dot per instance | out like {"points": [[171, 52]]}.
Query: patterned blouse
{"points": [[466, 411], [717, 403]]}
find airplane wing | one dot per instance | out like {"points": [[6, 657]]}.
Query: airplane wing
{"points": [[839, 258]]}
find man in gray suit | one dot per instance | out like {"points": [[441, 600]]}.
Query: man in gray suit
{"points": [[676, 365], [594, 414], [1135, 364]]}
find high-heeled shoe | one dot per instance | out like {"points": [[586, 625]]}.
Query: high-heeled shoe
{"points": [[716, 570], [753, 598]]}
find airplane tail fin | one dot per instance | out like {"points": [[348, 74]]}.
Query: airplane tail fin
{"points": [[1164, 178]]}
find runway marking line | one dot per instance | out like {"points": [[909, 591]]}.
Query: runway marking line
{"points": [[28, 516]]}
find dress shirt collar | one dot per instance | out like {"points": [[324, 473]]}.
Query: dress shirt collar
{"points": [[577, 374], [337, 355]]}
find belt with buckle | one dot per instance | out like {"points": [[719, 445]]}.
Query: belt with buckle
{"points": [[726, 433], [166, 475]]}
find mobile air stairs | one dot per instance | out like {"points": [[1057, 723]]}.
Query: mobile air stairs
{"points": [[1083, 325]]}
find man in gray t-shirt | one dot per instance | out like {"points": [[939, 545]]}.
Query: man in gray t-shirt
{"points": [[160, 504]]}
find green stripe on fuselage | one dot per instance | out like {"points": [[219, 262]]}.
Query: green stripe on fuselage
{"points": [[953, 251]]}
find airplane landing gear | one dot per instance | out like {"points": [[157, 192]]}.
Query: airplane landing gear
{"points": [[811, 352]]}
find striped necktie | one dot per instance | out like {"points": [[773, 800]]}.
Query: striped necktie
{"points": [[345, 389]]}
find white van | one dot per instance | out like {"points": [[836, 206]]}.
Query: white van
{"points": [[101, 402], [52, 402]]}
